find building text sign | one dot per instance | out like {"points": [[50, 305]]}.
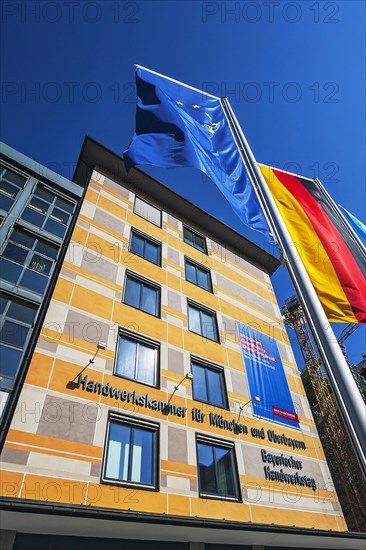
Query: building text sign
{"points": [[167, 408]]}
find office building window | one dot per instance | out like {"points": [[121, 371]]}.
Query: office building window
{"points": [[142, 295], [198, 275], [202, 321], [217, 472], [4, 395], [131, 453], [48, 211], [137, 359], [146, 248], [208, 384], [16, 320], [28, 261], [194, 239], [147, 211], [11, 184]]}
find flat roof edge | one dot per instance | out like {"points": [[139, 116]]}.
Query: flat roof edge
{"points": [[39, 170], [95, 155]]}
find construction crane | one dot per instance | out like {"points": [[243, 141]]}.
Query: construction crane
{"points": [[335, 439], [350, 329], [346, 332]]}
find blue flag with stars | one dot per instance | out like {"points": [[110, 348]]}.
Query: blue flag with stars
{"points": [[180, 126]]}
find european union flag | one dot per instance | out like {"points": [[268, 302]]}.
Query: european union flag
{"points": [[177, 125]]}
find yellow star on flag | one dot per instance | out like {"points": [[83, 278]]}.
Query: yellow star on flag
{"points": [[196, 106], [180, 103]]}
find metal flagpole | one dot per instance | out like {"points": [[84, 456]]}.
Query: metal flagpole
{"points": [[176, 82], [343, 384]]}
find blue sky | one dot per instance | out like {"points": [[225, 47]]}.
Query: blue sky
{"points": [[293, 72]]}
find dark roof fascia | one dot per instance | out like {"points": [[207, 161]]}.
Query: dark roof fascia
{"points": [[37, 170], [77, 510], [95, 155]]}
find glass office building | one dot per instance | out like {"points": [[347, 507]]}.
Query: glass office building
{"points": [[37, 207]]}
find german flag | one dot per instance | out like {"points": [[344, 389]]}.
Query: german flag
{"points": [[331, 257]]}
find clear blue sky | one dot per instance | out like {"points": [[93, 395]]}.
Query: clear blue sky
{"points": [[293, 72]]}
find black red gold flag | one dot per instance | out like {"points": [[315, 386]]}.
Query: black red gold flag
{"points": [[334, 262]]}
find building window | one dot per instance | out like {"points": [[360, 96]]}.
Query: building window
{"points": [[138, 360], [147, 211], [209, 384], [194, 239], [202, 321], [131, 453], [16, 320], [217, 472], [198, 275], [146, 248], [49, 212], [28, 261], [4, 395], [11, 184], [142, 295]]}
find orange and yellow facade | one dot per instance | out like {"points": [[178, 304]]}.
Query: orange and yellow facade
{"points": [[56, 448]]}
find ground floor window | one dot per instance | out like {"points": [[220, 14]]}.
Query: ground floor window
{"points": [[217, 471], [131, 452]]}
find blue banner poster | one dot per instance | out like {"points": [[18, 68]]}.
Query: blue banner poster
{"points": [[268, 386]]}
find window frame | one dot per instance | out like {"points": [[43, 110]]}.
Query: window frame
{"points": [[213, 367], [140, 339], [230, 445], [22, 174], [142, 235], [3, 400], [39, 238], [147, 282], [187, 228], [196, 265], [149, 204], [133, 423], [208, 311], [3, 318], [51, 206]]}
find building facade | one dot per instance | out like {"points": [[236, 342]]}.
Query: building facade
{"points": [[135, 420], [360, 368]]}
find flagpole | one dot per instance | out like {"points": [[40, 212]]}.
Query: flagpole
{"points": [[177, 82], [343, 384]]}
